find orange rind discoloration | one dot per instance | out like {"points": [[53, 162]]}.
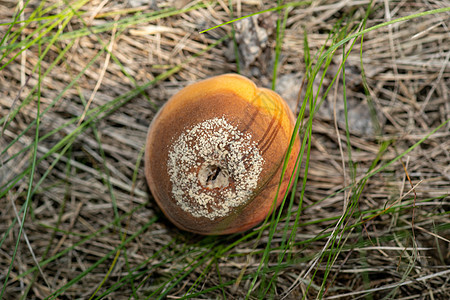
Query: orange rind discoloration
{"points": [[215, 152]]}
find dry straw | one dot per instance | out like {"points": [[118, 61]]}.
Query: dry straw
{"points": [[373, 207]]}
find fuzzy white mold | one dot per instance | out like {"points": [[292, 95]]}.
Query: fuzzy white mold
{"points": [[213, 167]]}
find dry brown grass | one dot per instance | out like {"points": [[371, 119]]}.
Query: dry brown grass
{"points": [[406, 250]]}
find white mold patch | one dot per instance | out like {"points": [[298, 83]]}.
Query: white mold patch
{"points": [[213, 167]]}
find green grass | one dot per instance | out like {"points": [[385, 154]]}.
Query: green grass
{"points": [[270, 251]]}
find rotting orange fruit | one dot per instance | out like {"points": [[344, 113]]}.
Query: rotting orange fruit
{"points": [[215, 152]]}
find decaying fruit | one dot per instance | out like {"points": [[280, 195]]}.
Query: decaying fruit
{"points": [[215, 152]]}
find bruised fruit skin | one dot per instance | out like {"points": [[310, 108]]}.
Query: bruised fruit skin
{"points": [[215, 152]]}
